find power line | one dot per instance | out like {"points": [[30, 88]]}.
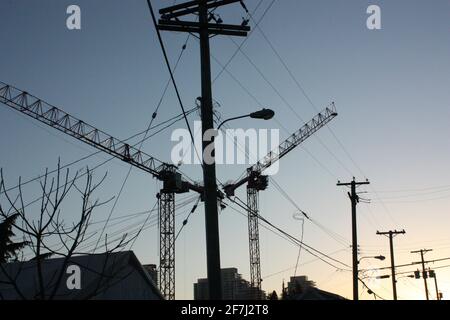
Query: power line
{"points": [[253, 97], [408, 264], [412, 201], [99, 152], [185, 221], [300, 248], [103, 163], [306, 247], [415, 190], [303, 91], [370, 290], [172, 77], [301, 264], [116, 200], [338, 238], [278, 93], [142, 227], [411, 272], [129, 229], [225, 66]]}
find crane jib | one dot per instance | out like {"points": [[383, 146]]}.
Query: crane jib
{"points": [[52, 116], [297, 138], [293, 141]]}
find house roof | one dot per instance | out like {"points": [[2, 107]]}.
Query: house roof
{"points": [[112, 275], [313, 293]]}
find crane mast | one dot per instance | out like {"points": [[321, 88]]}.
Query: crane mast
{"points": [[173, 182], [256, 182]]}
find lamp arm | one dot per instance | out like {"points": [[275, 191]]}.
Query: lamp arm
{"points": [[231, 119]]}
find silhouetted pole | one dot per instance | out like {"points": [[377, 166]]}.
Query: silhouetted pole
{"points": [[436, 285], [170, 21], [432, 274], [391, 235], [354, 198], [424, 272], [209, 170]]}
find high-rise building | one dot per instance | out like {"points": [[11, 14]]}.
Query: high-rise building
{"points": [[234, 287], [299, 283]]}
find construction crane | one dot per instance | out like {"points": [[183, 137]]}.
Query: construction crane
{"points": [[173, 182], [256, 182]]}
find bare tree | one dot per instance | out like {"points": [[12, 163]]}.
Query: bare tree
{"points": [[40, 230]]}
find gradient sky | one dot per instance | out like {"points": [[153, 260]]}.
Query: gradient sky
{"points": [[390, 87]]}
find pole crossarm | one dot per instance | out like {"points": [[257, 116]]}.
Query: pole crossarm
{"points": [[191, 7], [194, 27], [394, 232]]}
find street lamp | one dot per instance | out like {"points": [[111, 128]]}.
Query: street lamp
{"points": [[380, 257], [264, 114]]}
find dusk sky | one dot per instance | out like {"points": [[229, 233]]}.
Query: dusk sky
{"points": [[390, 87]]}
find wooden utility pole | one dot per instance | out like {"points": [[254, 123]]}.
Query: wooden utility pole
{"points": [[170, 21], [391, 235], [432, 274], [354, 198], [424, 272]]}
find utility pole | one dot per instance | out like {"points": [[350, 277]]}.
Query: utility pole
{"points": [[391, 235], [170, 21], [354, 198], [432, 274], [424, 272]]}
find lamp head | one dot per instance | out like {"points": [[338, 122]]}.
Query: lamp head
{"points": [[265, 114]]}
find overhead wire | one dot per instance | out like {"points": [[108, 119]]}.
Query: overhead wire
{"points": [[300, 248], [303, 91], [102, 163], [172, 79], [306, 247], [129, 229], [99, 152]]}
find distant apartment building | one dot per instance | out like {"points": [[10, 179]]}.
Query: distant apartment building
{"points": [[299, 283], [152, 271], [301, 288], [234, 287]]}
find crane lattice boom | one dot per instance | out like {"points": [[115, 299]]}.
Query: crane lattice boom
{"points": [[319, 121], [62, 121], [306, 131], [52, 116]]}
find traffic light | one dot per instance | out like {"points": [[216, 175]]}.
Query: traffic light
{"points": [[417, 274], [432, 274]]}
